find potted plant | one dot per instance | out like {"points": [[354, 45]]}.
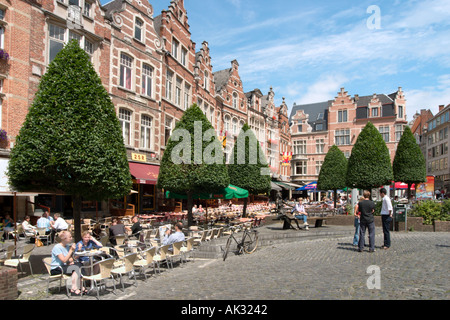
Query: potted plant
{"points": [[4, 55], [3, 138]]}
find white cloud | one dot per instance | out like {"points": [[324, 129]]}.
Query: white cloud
{"points": [[324, 89]]}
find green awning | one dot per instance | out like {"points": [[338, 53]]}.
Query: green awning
{"points": [[229, 192], [284, 185]]}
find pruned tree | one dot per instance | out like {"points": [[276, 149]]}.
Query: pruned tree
{"points": [[369, 165], [71, 140], [409, 164], [333, 172], [193, 161], [249, 169]]}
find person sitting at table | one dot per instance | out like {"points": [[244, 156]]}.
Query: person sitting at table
{"points": [[63, 261], [44, 222], [136, 228], [194, 209], [117, 228], [300, 213], [97, 231], [8, 224], [59, 225], [87, 243], [29, 230], [200, 209], [170, 238]]}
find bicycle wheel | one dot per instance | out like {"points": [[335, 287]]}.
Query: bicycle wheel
{"points": [[250, 242], [227, 248]]}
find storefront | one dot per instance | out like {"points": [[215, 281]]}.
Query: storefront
{"points": [[143, 196]]}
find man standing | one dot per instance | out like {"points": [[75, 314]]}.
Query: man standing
{"points": [[386, 217], [366, 207]]}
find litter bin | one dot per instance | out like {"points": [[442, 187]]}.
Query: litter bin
{"points": [[400, 213]]}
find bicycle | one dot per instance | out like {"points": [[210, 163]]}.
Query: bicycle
{"points": [[247, 244]]}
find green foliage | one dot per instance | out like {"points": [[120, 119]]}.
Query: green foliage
{"points": [[71, 139], [245, 171], [445, 210], [369, 165], [409, 163], [333, 171], [191, 175], [430, 211]]}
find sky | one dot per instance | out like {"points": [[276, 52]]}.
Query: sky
{"points": [[307, 50]]}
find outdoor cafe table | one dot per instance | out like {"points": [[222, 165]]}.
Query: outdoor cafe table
{"points": [[91, 254]]}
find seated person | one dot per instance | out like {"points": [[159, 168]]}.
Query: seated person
{"points": [[87, 243], [44, 222], [117, 228], [97, 231], [300, 213], [136, 228], [59, 225], [8, 224], [63, 261], [29, 230], [175, 237]]}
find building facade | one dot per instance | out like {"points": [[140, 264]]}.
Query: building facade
{"points": [[153, 72], [318, 126]]}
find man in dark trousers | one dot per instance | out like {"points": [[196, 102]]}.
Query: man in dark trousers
{"points": [[366, 208]]}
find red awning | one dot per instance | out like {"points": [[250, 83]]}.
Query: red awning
{"points": [[144, 173]]}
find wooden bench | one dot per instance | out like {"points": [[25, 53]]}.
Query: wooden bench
{"points": [[316, 215]]}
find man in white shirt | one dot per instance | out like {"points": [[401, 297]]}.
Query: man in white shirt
{"points": [[59, 225], [300, 213], [386, 217], [175, 237]]}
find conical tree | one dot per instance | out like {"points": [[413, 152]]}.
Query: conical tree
{"points": [[409, 163], [193, 161], [249, 169], [333, 172], [369, 165], [71, 140]]}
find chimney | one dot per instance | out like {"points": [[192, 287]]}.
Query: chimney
{"points": [[441, 107], [356, 97]]}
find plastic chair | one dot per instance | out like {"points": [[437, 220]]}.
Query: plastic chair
{"points": [[47, 262], [9, 253], [144, 264], [23, 258], [41, 235], [104, 274], [126, 268], [162, 256], [189, 248]]}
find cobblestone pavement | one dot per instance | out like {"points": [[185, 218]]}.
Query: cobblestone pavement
{"points": [[415, 267]]}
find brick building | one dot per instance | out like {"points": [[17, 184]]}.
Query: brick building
{"points": [[316, 127], [153, 72]]}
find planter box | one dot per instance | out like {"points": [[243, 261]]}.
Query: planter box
{"points": [[8, 283], [442, 226]]}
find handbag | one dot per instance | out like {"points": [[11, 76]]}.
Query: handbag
{"points": [[38, 243]]}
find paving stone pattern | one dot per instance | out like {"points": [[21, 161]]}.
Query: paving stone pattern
{"points": [[308, 267]]}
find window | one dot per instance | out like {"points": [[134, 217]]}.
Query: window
{"points": [[227, 123], [178, 92], [299, 128], [147, 80], [87, 9], [167, 129], [318, 166], [400, 112], [300, 147], [138, 25], [235, 100], [235, 126], [374, 112], [205, 80], [320, 145], [56, 35], [2, 14], [183, 56], [384, 130], [88, 47], [342, 137], [319, 126], [125, 123], [146, 132], [73, 2], [300, 168], [169, 81], [187, 93], [126, 63], [398, 131], [342, 116], [175, 46]]}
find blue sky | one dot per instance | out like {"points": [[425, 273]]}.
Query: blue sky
{"points": [[308, 50]]}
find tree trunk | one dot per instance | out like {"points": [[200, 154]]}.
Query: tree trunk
{"points": [[77, 217], [190, 203], [244, 211]]}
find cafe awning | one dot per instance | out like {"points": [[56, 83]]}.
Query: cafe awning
{"points": [[274, 186], [144, 173], [285, 185]]}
